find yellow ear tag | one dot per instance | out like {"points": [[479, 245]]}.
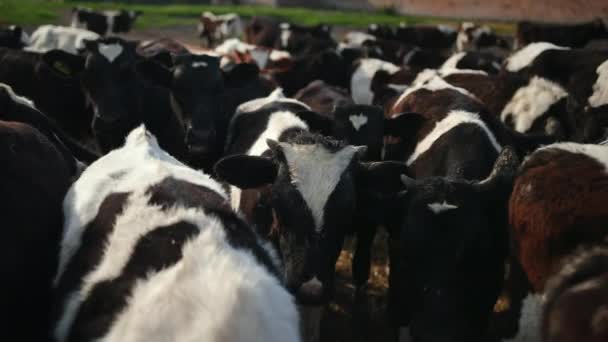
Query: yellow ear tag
{"points": [[62, 67]]}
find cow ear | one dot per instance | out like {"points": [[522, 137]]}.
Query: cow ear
{"points": [[241, 72], [317, 123], [156, 72], [245, 171], [403, 125], [499, 183], [63, 63]]}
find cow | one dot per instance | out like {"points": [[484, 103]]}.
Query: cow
{"points": [[432, 37], [571, 35], [35, 175], [536, 105], [303, 194], [546, 231], [51, 37], [160, 46], [474, 60], [13, 37], [51, 81], [323, 98], [582, 73], [304, 40], [575, 305], [20, 109], [448, 269], [477, 37], [217, 28], [381, 31], [361, 79], [105, 22], [145, 233], [262, 31]]}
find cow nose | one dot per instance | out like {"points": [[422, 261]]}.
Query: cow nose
{"points": [[312, 289]]}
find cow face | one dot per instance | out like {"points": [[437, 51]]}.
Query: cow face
{"points": [[196, 85], [453, 247], [111, 83], [309, 191]]}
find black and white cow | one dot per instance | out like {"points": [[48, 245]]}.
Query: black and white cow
{"points": [[34, 177], [51, 37], [51, 81], [105, 22], [13, 37], [217, 28], [301, 189], [472, 37], [582, 73], [572, 35], [151, 250]]}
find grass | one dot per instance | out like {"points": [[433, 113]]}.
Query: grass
{"points": [[36, 12]]}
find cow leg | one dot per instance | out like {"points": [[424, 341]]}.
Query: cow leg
{"points": [[362, 257]]}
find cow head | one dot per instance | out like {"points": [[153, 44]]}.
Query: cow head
{"points": [[209, 27], [196, 85], [298, 39], [111, 83], [13, 37], [453, 246], [309, 194]]}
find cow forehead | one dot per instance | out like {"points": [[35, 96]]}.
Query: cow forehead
{"points": [[316, 171], [110, 51]]}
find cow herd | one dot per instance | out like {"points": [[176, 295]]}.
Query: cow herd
{"points": [[156, 191]]}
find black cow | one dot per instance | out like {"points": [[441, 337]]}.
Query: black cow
{"points": [[19, 109], [303, 40], [13, 37], [432, 37], [573, 35], [51, 81], [105, 22], [34, 177]]}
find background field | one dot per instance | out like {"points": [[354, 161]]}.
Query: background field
{"points": [[36, 12]]}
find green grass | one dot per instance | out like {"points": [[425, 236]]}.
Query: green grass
{"points": [[36, 12]]}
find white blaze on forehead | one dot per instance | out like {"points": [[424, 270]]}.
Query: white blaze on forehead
{"points": [[597, 152], [358, 121], [526, 56], [110, 19], [110, 51], [452, 120], [532, 101], [315, 172], [199, 64], [452, 62], [18, 99], [260, 57], [361, 80], [600, 88], [441, 207]]}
